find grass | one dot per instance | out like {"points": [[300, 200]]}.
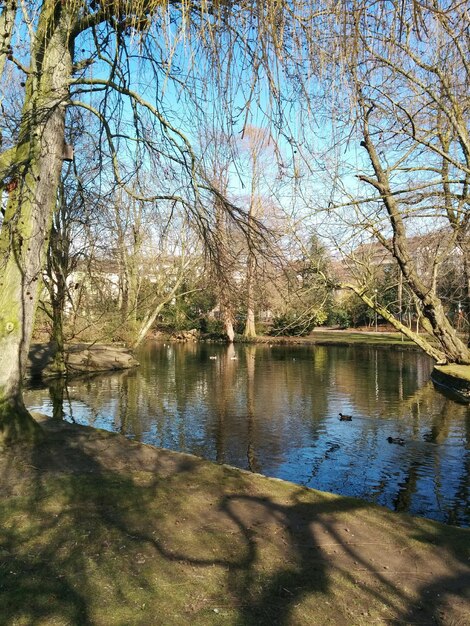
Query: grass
{"points": [[97, 530], [346, 337], [457, 371], [369, 337]]}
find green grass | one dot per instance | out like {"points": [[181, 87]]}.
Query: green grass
{"points": [[345, 337], [458, 371], [371, 337]]}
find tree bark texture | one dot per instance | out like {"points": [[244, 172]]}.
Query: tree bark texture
{"points": [[25, 230], [7, 22], [250, 328], [229, 331]]}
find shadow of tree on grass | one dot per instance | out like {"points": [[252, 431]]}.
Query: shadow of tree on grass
{"points": [[99, 530]]}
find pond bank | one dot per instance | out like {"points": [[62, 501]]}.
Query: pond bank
{"points": [[343, 338], [319, 336], [80, 358], [96, 529], [454, 378]]}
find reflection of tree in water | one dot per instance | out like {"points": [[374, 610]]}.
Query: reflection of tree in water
{"points": [[371, 375], [250, 356], [60, 398], [445, 414], [226, 373], [126, 418], [57, 390], [441, 423], [407, 488], [460, 507]]}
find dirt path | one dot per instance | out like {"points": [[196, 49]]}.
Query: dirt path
{"points": [[96, 529]]}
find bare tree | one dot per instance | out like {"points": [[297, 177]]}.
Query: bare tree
{"points": [[401, 79], [218, 153], [256, 142]]}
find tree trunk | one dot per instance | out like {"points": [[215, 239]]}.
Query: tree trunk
{"points": [[250, 329], [466, 303], [7, 22], [27, 222], [428, 348], [57, 268], [226, 311], [58, 364], [229, 329], [151, 316]]}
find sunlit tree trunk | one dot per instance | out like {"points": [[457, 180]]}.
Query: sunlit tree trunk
{"points": [[257, 141], [7, 21], [223, 280], [222, 266], [466, 304], [250, 328], [228, 324], [36, 165]]}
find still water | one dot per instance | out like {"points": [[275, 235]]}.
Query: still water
{"points": [[275, 410]]}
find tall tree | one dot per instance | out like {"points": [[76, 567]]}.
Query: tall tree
{"points": [[218, 150], [256, 143]]}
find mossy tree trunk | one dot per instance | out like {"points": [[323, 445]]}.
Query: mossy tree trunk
{"points": [[36, 165]]}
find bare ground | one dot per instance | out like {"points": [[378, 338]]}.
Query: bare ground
{"points": [[98, 530]]}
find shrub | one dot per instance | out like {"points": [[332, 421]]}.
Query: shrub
{"points": [[296, 325], [339, 317], [214, 329]]}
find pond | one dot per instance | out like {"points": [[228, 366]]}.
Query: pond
{"points": [[274, 410]]}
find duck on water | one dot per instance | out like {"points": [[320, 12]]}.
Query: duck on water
{"points": [[398, 440]]}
